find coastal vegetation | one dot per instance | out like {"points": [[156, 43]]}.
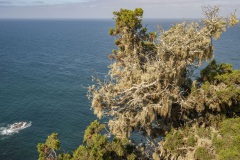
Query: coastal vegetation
{"points": [[152, 91]]}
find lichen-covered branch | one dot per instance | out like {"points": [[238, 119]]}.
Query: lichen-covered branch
{"points": [[150, 82]]}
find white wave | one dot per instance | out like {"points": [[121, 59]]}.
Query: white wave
{"points": [[14, 128]]}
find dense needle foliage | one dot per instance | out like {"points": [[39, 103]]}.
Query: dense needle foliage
{"points": [[151, 91], [96, 147]]}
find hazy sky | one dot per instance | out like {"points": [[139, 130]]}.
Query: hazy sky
{"points": [[103, 8]]}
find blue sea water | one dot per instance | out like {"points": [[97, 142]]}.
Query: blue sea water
{"points": [[45, 67]]}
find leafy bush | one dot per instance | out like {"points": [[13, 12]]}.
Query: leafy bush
{"points": [[97, 147], [227, 144], [202, 154]]}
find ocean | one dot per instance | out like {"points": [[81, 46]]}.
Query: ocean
{"points": [[45, 68]]}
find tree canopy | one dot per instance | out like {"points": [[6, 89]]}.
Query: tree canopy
{"points": [[152, 91], [151, 86]]}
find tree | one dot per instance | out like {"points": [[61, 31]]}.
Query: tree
{"points": [[96, 147], [48, 150], [151, 90]]}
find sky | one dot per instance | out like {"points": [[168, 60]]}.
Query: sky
{"points": [[102, 9]]}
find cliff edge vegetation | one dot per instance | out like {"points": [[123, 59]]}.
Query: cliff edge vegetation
{"points": [[151, 91]]}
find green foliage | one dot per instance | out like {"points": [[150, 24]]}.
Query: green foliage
{"points": [[91, 132], [215, 73], [64, 156], [217, 91], [227, 144], [82, 152], [97, 147], [191, 140], [210, 72], [187, 143], [204, 132], [202, 143], [53, 142], [174, 140], [129, 19], [47, 150], [132, 157], [150, 80], [151, 91], [132, 38], [202, 153], [230, 78]]}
